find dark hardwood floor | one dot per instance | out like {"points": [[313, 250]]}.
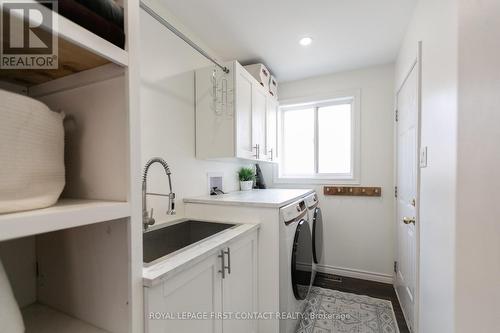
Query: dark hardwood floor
{"points": [[363, 287]]}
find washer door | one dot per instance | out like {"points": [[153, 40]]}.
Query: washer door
{"points": [[317, 235], [302, 259]]}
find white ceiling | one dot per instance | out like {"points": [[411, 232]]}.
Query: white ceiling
{"points": [[348, 34]]}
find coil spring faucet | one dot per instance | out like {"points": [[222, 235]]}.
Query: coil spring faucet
{"points": [[147, 219]]}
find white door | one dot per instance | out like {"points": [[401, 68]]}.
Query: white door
{"points": [[272, 128], [196, 290], [240, 285], [407, 177], [259, 106], [243, 104]]}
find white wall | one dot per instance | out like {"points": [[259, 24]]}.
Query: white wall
{"points": [[359, 232], [435, 24], [167, 119], [478, 226]]}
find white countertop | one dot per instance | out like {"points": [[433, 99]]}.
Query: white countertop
{"points": [[274, 198], [154, 274]]}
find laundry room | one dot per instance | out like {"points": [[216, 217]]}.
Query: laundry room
{"points": [[253, 167]]}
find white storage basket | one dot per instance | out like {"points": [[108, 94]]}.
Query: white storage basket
{"points": [[31, 153], [260, 73], [273, 86]]}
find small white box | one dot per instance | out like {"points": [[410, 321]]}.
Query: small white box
{"points": [[273, 86], [260, 73]]}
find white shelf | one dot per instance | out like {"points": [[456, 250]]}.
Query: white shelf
{"points": [[75, 34], [66, 213], [39, 318], [78, 50]]}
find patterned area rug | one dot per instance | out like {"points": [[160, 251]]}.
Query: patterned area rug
{"points": [[331, 311]]}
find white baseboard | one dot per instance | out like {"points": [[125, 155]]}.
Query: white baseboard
{"points": [[355, 273]]}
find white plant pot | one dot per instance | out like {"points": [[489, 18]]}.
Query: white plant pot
{"points": [[247, 185]]}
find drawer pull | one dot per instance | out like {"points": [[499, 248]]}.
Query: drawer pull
{"points": [[228, 252], [223, 264]]}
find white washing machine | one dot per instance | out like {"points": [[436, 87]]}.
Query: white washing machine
{"points": [[316, 222], [296, 262]]}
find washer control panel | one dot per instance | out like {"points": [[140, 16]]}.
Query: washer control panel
{"points": [[312, 200], [294, 210]]}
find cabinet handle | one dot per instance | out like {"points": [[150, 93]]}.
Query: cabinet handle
{"points": [[228, 252], [257, 150], [408, 220], [223, 264], [271, 152]]}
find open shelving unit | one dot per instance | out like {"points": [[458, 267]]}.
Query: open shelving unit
{"points": [[43, 319], [79, 50], [66, 213], [74, 279], [77, 266]]}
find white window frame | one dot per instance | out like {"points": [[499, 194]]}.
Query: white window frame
{"points": [[341, 97]]}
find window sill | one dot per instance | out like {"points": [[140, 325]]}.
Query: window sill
{"points": [[317, 181]]}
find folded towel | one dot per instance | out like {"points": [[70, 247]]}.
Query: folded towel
{"points": [[108, 9], [11, 320]]}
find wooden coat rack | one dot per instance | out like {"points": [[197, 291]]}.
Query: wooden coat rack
{"points": [[353, 191]]}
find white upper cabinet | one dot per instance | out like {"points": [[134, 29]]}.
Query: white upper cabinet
{"points": [[259, 105], [233, 115], [272, 128], [243, 106]]}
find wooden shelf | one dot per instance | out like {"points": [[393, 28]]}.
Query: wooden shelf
{"points": [[79, 50], [39, 318], [66, 213]]}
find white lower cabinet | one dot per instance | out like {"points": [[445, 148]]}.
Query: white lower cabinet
{"points": [[196, 290], [203, 290], [239, 288]]}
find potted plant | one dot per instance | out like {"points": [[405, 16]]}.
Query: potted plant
{"points": [[246, 176]]}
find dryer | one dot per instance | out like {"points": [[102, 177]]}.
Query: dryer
{"points": [[316, 222], [296, 262]]}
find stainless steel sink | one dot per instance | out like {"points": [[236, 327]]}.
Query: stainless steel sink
{"points": [[162, 241]]}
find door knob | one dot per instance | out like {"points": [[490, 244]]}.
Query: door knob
{"points": [[408, 220]]}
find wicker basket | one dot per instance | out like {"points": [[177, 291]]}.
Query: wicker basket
{"points": [[31, 154]]}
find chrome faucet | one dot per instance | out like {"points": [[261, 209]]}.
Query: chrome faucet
{"points": [[147, 219]]}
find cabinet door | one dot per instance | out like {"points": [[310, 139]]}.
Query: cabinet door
{"points": [[215, 131], [196, 290], [240, 286], [243, 105], [272, 128], [259, 106]]}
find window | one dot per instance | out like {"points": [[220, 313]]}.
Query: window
{"points": [[320, 140]]}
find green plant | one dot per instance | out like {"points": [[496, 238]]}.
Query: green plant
{"points": [[246, 174]]}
